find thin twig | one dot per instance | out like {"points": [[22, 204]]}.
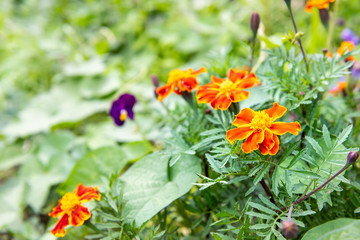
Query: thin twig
{"points": [[267, 190]]}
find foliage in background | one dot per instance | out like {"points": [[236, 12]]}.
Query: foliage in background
{"points": [[63, 62]]}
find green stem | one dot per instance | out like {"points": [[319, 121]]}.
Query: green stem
{"points": [[332, 26]]}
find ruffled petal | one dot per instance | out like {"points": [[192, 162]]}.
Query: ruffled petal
{"points": [[187, 84], [217, 80], [57, 211], [252, 78], [206, 93], [244, 117], [238, 133], [275, 148], [268, 143], [238, 95], [164, 91], [253, 141], [79, 215], [87, 193], [276, 111], [222, 102], [236, 75], [59, 229], [280, 128], [201, 70]]}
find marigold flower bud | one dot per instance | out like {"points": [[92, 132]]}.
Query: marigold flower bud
{"points": [[324, 16], [325, 50], [155, 80], [352, 157], [255, 22], [289, 229]]}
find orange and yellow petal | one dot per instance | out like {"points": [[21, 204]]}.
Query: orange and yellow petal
{"points": [[87, 193], [253, 141], [280, 128], [253, 78], [187, 84], [244, 117], [236, 74], [221, 102], [320, 4], [205, 94], [59, 229], [238, 133], [345, 46], [238, 95], [268, 143], [275, 148], [276, 111], [197, 72], [164, 91], [79, 215], [216, 80], [57, 211]]}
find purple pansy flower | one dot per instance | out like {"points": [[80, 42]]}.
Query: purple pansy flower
{"points": [[348, 35], [122, 108]]}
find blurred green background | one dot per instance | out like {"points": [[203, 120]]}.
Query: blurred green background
{"points": [[63, 62]]}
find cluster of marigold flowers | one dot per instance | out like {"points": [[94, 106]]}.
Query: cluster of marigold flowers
{"points": [[258, 128]]}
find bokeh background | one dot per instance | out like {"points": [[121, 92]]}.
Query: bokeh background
{"points": [[62, 63]]}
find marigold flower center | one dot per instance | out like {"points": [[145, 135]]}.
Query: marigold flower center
{"points": [[227, 86], [69, 202], [123, 115], [261, 121]]}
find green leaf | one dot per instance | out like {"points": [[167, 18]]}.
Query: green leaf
{"points": [[262, 208], [343, 136], [326, 135], [100, 162], [342, 228], [150, 184], [268, 203], [315, 146]]}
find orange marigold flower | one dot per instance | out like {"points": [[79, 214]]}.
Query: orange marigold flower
{"points": [[70, 209], [260, 129], [320, 4], [347, 45], [179, 81], [340, 86], [220, 93]]}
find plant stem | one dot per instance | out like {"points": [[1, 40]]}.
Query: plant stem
{"points": [[290, 211], [267, 190], [332, 26], [299, 39], [252, 52], [321, 186]]}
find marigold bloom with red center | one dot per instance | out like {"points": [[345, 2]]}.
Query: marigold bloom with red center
{"points": [[320, 4], [179, 81], [260, 129], [346, 46], [220, 93], [70, 209]]}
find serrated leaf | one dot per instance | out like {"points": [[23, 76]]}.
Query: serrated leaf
{"points": [[259, 215], [262, 208], [326, 135], [268, 202], [260, 226], [302, 213], [275, 181], [343, 136], [315, 146]]}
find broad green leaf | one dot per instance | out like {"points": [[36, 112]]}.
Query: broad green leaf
{"points": [[100, 162], [150, 184], [342, 228]]}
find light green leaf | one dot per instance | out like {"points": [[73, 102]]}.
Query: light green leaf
{"points": [[342, 228], [150, 184]]}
